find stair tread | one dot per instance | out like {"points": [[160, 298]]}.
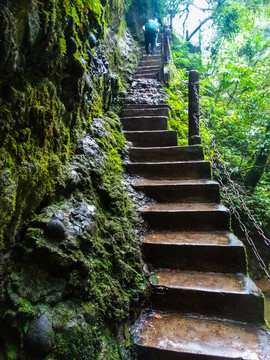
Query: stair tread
{"points": [[172, 207], [165, 148], [165, 182], [145, 73], [220, 238], [146, 105], [205, 281], [152, 132], [187, 334], [145, 117], [146, 67], [168, 162]]}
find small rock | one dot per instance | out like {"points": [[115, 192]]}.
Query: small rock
{"points": [[58, 215], [38, 339], [92, 40], [88, 84], [77, 69], [73, 244], [98, 128], [71, 46], [55, 229]]}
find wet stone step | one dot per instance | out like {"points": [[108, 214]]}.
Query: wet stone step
{"points": [[171, 170], [205, 251], [172, 153], [152, 57], [152, 138], [174, 336], [153, 75], [158, 51], [146, 74], [147, 69], [143, 105], [145, 111], [180, 190], [139, 123], [231, 296], [179, 216], [150, 62]]}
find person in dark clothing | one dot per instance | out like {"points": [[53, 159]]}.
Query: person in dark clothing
{"points": [[151, 29], [156, 17]]}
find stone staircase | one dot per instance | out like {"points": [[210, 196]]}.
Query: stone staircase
{"points": [[203, 305]]}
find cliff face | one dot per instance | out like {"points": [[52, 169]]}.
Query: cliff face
{"points": [[70, 267]]}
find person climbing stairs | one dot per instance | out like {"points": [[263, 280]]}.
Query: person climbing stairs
{"points": [[203, 304]]}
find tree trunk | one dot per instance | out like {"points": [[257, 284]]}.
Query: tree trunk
{"points": [[254, 175]]}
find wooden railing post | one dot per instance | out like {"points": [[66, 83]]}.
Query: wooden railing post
{"points": [[193, 108]]}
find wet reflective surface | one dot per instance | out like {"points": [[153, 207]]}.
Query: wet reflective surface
{"points": [[199, 335], [185, 207], [202, 238], [174, 182], [202, 281]]}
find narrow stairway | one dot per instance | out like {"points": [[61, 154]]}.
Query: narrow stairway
{"points": [[203, 305]]}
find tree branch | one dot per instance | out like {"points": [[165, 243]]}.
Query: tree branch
{"points": [[232, 94], [198, 27], [184, 22]]}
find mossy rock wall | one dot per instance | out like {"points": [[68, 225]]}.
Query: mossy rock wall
{"points": [[70, 267]]}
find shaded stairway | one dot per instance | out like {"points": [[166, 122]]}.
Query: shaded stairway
{"points": [[204, 305]]}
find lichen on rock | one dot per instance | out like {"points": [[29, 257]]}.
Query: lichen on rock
{"points": [[70, 269]]}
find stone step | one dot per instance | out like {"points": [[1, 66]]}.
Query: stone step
{"points": [[136, 123], [145, 111], [150, 61], [180, 190], [145, 69], [152, 75], [182, 216], [145, 73], [232, 296], [144, 106], [177, 170], [174, 336], [204, 251], [158, 51], [152, 138], [152, 57], [171, 153]]}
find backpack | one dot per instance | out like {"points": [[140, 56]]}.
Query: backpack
{"points": [[151, 25]]}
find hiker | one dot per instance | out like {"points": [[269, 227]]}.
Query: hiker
{"points": [[151, 29], [156, 17]]}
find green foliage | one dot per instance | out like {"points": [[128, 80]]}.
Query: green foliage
{"points": [[11, 353], [185, 56], [234, 89], [227, 20]]}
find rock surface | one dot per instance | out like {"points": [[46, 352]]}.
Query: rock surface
{"points": [[39, 336]]}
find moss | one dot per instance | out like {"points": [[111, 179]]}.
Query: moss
{"points": [[88, 281], [100, 274], [11, 353]]}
